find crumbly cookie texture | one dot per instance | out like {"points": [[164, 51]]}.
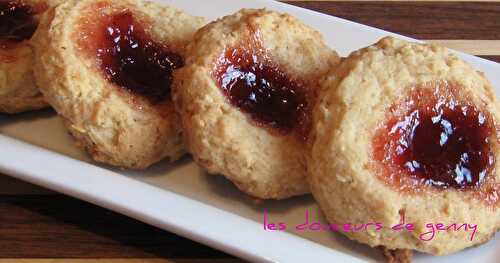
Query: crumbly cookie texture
{"points": [[220, 136], [398, 255], [18, 91], [115, 126], [353, 103]]}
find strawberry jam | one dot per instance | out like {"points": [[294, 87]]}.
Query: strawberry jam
{"points": [[257, 86], [130, 59], [433, 138], [17, 22]]}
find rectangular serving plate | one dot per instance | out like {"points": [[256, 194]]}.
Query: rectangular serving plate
{"points": [[180, 197]]}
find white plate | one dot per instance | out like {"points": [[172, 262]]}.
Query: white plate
{"points": [[181, 198]]}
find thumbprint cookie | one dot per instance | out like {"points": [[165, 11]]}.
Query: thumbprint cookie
{"points": [[244, 98], [406, 135], [106, 67], [18, 23]]}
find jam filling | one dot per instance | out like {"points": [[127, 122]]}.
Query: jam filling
{"points": [[432, 138], [254, 84], [17, 22], [130, 59]]}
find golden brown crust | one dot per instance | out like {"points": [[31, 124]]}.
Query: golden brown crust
{"points": [[116, 127], [18, 91], [398, 255], [353, 105], [221, 138]]}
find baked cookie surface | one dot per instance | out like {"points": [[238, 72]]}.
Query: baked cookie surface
{"points": [[408, 131], [106, 67], [18, 22], [244, 98]]}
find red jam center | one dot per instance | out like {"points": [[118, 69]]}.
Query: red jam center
{"points": [[17, 22], [130, 59], [437, 140], [260, 89]]}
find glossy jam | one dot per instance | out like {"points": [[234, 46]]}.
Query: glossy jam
{"points": [[17, 22], [433, 138], [254, 84], [130, 59]]}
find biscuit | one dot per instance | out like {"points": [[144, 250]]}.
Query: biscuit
{"points": [[18, 22], [106, 68], [244, 98], [407, 131], [398, 255]]}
